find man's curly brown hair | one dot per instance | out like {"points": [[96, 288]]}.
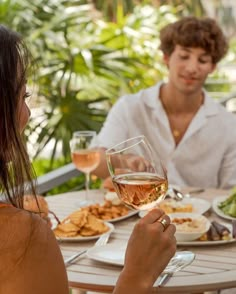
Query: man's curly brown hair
{"points": [[197, 33]]}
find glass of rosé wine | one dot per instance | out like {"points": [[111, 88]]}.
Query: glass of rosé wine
{"points": [[84, 157], [138, 176]]}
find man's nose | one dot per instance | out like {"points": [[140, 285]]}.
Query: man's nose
{"points": [[192, 66]]}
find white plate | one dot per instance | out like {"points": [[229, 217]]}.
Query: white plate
{"points": [[80, 238], [184, 233], [109, 253], [115, 254], [206, 243], [200, 206], [209, 243], [219, 212], [117, 219]]}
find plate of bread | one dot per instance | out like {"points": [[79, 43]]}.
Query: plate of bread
{"points": [[81, 225], [111, 209], [38, 204], [187, 205]]}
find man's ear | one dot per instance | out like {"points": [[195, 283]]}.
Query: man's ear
{"points": [[166, 59], [213, 68]]}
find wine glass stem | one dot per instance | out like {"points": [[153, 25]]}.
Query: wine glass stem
{"points": [[87, 178]]}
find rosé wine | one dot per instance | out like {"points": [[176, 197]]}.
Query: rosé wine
{"points": [[140, 190], [86, 160]]}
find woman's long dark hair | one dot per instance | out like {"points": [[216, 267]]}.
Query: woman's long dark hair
{"points": [[15, 169]]}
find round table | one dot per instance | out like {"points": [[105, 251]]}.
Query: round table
{"points": [[213, 268]]}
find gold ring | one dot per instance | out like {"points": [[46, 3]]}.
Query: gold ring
{"points": [[164, 223]]}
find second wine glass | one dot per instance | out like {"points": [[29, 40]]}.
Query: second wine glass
{"points": [[138, 175], [85, 158]]}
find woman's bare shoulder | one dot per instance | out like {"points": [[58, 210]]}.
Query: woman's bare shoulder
{"points": [[16, 224], [28, 249]]}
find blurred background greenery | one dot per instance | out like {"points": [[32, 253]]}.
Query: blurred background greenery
{"points": [[88, 53]]}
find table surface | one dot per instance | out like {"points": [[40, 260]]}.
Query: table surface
{"points": [[213, 268]]}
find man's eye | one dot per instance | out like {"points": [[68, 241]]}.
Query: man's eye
{"points": [[203, 60], [183, 56]]}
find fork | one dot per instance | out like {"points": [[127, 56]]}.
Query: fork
{"points": [[176, 265], [101, 241]]}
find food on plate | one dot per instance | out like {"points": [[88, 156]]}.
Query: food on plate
{"points": [[66, 230], [107, 210], [188, 224], [77, 218], [212, 234], [172, 206], [234, 228], [228, 206], [216, 232], [93, 226], [221, 229], [39, 206], [80, 223]]}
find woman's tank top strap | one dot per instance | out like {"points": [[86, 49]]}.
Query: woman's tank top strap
{"points": [[5, 205]]}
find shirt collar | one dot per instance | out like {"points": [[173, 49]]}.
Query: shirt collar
{"points": [[210, 107]]}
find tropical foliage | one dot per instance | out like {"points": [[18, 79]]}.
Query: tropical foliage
{"points": [[109, 7], [87, 53], [84, 63]]}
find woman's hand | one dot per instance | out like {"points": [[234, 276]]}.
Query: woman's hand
{"points": [[149, 250]]}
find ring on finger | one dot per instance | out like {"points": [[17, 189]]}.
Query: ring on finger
{"points": [[164, 223]]}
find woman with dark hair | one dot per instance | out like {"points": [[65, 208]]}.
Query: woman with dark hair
{"points": [[14, 61], [31, 261]]}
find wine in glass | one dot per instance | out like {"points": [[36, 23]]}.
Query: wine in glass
{"points": [[84, 157], [138, 175]]}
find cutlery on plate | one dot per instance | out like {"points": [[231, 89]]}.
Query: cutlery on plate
{"points": [[175, 194], [178, 195], [178, 262], [101, 241]]}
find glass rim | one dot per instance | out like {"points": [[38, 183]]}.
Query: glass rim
{"points": [[139, 138]]}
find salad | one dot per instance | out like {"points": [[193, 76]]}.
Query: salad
{"points": [[228, 206]]}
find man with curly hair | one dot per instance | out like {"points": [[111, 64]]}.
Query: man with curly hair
{"points": [[195, 136]]}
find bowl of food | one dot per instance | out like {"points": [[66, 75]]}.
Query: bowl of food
{"points": [[189, 226]]}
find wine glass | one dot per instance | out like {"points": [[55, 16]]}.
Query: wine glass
{"points": [[138, 175], [84, 157]]}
